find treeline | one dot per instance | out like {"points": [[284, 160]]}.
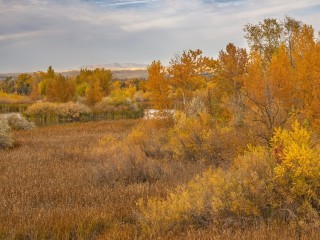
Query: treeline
{"points": [[276, 79], [50, 92], [89, 86]]}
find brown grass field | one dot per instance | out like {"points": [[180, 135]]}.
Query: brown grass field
{"points": [[60, 183]]}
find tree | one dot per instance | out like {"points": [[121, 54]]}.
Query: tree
{"points": [[158, 86], [306, 50], [7, 85], [282, 73], [101, 75], [229, 72], [35, 90], [23, 84], [105, 77], [264, 37], [45, 78], [188, 74], [60, 89], [94, 93]]}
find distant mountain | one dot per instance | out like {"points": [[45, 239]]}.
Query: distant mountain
{"points": [[119, 70], [121, 74], [117, 66]]}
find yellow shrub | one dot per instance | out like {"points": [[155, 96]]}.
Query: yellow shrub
{"points": [[151, 137], [262, 183], [245, 189], [241, 191], [199, 138], [13, 98], [298, 171]]}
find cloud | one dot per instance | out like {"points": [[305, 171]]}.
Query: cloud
{"points": [[35, 34]]}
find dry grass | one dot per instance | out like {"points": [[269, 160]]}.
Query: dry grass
{"points": [[56, 183], [59, 183]]}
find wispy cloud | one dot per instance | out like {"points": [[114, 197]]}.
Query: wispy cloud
{"points": [[35, 34]]}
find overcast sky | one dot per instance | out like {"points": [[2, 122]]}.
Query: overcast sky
{"points": [[71, 33]]}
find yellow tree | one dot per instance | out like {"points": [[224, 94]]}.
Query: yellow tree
{"points": [[261, 103], [60, 89], [105, 77], [88, 77], [273, 87], [306, 57], [23, 84], [94, 93], [158, 86], [188, 74], [229, 72], [282, 84], [44, 79]]}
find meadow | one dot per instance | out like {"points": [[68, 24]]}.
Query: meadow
{"points": [[55, 184], [76, 182]]}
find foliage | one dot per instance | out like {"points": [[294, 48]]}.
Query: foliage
{"points": [[298, 170], [100, 75], [199, 139], [63, 110], [81, 89], [23, 84], [188, 75], [60, 89], [94, 93], [18, 122], [13, 98], [158, 86], [230, 69], [262, 183], [151, 137], [7, 85]]}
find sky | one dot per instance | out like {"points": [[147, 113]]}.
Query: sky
{"points": [[68, 34]]}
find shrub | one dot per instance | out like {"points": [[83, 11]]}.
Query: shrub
{"points": [[5, 135], [297, 173], [151, 137], [199, 138], [264, 183], [73, 110], [68, 110], [240, 191], [13, 98], [128, 164], [17, 122]]}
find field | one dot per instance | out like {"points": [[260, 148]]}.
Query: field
{"points": [[76, 182]]}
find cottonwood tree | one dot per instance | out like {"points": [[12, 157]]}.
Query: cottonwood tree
{"points": [[283, 72], [23, 84], [60, 89], [157, 85], [94, 92], [188, 74], [88, 77], [230, 69]]}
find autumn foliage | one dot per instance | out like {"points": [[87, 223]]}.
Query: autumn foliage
{"points": [[238, 157]]}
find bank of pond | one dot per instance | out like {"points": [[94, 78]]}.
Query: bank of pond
{"points": [[51, 116]]}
